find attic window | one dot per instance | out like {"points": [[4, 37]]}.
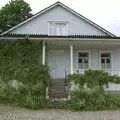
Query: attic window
{"points": [[58, 28]]}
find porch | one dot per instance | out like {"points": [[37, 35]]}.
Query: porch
{"points": [[76, 56]]}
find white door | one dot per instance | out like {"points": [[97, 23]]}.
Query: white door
{"points": [[57, 63]]}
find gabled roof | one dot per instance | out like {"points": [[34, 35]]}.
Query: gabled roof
{"points": [[68, 9]]}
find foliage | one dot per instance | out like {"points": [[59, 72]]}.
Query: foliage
{"points": [[93, 96], [94, 101], [112, 101], [23, 81], [13, 13], [115, 79], [87, 101], [91, 79], [21, 73]]}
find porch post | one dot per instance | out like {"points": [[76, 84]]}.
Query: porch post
{"points": [[43, 52], [71, 59]]}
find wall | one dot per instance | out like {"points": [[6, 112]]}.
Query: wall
{"points": [[76, 25]]}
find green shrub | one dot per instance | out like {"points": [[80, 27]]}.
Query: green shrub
{"points": [[112, 101], [93, 96], [91, 78], [21, 71], [94, 101]]}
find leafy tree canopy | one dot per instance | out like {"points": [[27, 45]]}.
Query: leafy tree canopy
{"points": [[14, 12]]}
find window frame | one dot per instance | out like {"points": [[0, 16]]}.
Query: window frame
{"points": [[111, 61], [58, 22], [89, 56]]}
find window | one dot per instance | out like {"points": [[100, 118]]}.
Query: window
{"points": [[58, 28], [83, 60], [106, 60]]}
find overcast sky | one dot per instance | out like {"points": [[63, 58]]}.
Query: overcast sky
{"points": [[105, 13]]}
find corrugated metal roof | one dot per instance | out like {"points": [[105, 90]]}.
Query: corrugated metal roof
{"points": [[53, 36]]}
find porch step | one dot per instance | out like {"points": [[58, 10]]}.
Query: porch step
{"points": [[57, 89]]}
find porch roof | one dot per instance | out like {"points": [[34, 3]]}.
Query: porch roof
{"points": [[40, 37], [56, 36]]}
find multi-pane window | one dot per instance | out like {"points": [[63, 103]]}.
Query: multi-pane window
{"points": [[58, 28], [83, 60], [106, 60]]}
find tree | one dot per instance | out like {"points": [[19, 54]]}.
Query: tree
{"points": [[14, 12]]}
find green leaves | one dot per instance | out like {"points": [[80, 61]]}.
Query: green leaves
{"points": [[91, 79], [20, 63], [93, 97], [13, 13]]}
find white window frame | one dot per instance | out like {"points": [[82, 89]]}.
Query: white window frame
{"points": [[89, 58], [58, 22], [105, 51]]}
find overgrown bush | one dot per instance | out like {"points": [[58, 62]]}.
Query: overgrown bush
{"points": [[21, 71], [94, 101], [91, 79], [90, 94], [87, 101], [23, 81]]}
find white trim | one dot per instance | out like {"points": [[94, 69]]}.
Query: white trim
{"points": [[71, 59], [67, 8], [57, 22], [48, 28], [43, 53]]}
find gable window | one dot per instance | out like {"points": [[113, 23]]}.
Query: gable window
{"points": [[105, 60], [58, 28], [83, 60]]}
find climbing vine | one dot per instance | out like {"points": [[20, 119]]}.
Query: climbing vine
{"points": [[21, 71]]}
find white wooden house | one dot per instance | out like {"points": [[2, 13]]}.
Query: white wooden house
{"points": [[71, 42]]}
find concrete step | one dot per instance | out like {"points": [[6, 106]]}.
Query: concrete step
{"points": [[57, 96], [57, 89]]}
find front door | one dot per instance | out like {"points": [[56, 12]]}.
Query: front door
{"points": [[57, 63]]}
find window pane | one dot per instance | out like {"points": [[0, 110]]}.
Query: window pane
{"points": [[86, 60], [83, 54], [83, 60], [52, 29], [105, 54], [105, 60], [56, 28], [108, 60], [79, 60], [102, 61], [80, 54]]}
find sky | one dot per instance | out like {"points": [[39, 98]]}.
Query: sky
{"points": [[105, 13]]}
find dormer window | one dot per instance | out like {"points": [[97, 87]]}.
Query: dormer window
{"points": [[58, 28]]}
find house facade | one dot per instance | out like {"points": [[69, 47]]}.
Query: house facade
{"points": [[71, 42]]}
